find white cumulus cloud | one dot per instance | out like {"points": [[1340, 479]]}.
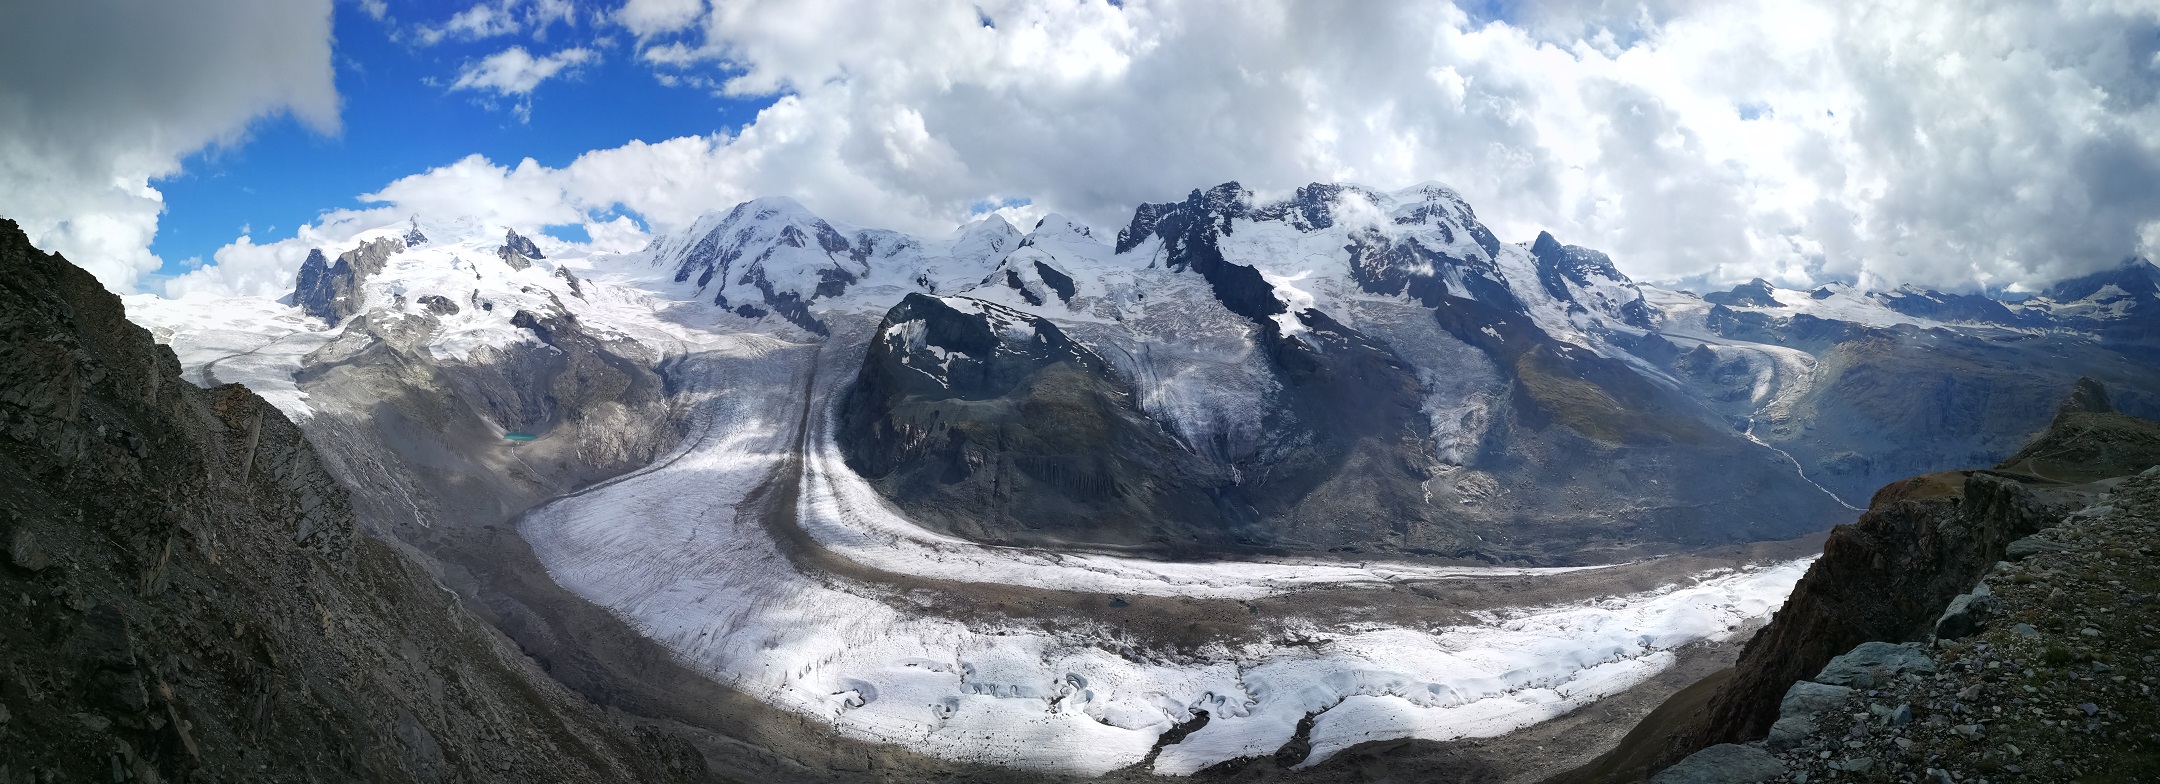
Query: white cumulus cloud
{"points": [[1957, 144], [515, 72], [490, 20], [101, 98]]}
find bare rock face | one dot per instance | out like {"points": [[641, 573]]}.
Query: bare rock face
{"points": [[331, 292], [190, 598], [1888, 576], [990, 423], [517, 250], [1923, 544]]}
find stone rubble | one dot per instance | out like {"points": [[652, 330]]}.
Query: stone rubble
{"points": [[2046, 671]]}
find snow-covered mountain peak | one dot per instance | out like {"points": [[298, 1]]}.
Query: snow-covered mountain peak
{"points": [[1587, 282], [985, 241], [1056, 226]]}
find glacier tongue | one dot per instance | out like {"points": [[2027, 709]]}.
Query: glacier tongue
{"points": [[682, 552]]}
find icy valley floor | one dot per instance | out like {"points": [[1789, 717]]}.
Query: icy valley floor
{"points": [[695, 553]]}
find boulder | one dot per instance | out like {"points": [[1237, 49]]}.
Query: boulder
{"points": [[1967, 614], [1790, 733], [23, 550], [2030, 546], [1724, 763], [1797, 713], [1875, 662]]}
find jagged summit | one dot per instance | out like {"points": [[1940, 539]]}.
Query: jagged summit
{"points": [[331, 292], [1587, 279], [518, 251]]}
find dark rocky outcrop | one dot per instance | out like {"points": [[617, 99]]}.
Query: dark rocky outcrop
{"points": [[990, 423], [1757, 293], [1889, 576], [314, 292], [518, 251], [196, 601], [2055, 689], [438, 305], [1057, 281], [577, 287], [331, 292]]}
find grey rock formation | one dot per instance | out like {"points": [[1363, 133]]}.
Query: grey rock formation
{"points": [[1587, 270], [1800, 712], [2030, 546], [1876, 662], [211, 611], [331, 292], [577, 288], [1755, 293], [439, 305], [518, 251], [1968, 613], [1724, 763]]}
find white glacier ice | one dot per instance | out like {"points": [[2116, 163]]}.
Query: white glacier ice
{"points": [[683, 550]]}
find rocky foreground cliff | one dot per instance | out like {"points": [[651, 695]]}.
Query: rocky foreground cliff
{"points": [[1991, 623], [189, 598]]}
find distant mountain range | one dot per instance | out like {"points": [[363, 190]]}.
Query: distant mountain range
{"points": [[1343, 371], [1351, 370], [774, 467]]}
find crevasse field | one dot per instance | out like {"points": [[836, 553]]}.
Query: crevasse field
{"points": [[676, 551]]}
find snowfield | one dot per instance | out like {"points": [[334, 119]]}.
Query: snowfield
{"points": [[229, 340]]}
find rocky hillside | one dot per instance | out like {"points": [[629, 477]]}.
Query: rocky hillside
{"points": [[1919, 551], [2046, 671], [190, 598]]}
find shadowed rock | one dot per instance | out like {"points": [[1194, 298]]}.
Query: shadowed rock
{"points": [[211, 607]]}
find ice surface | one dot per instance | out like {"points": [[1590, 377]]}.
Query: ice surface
{"points": [[677, 552], [246, 340]]}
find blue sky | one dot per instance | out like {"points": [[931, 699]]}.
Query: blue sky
{"points": [[400, 117]]}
